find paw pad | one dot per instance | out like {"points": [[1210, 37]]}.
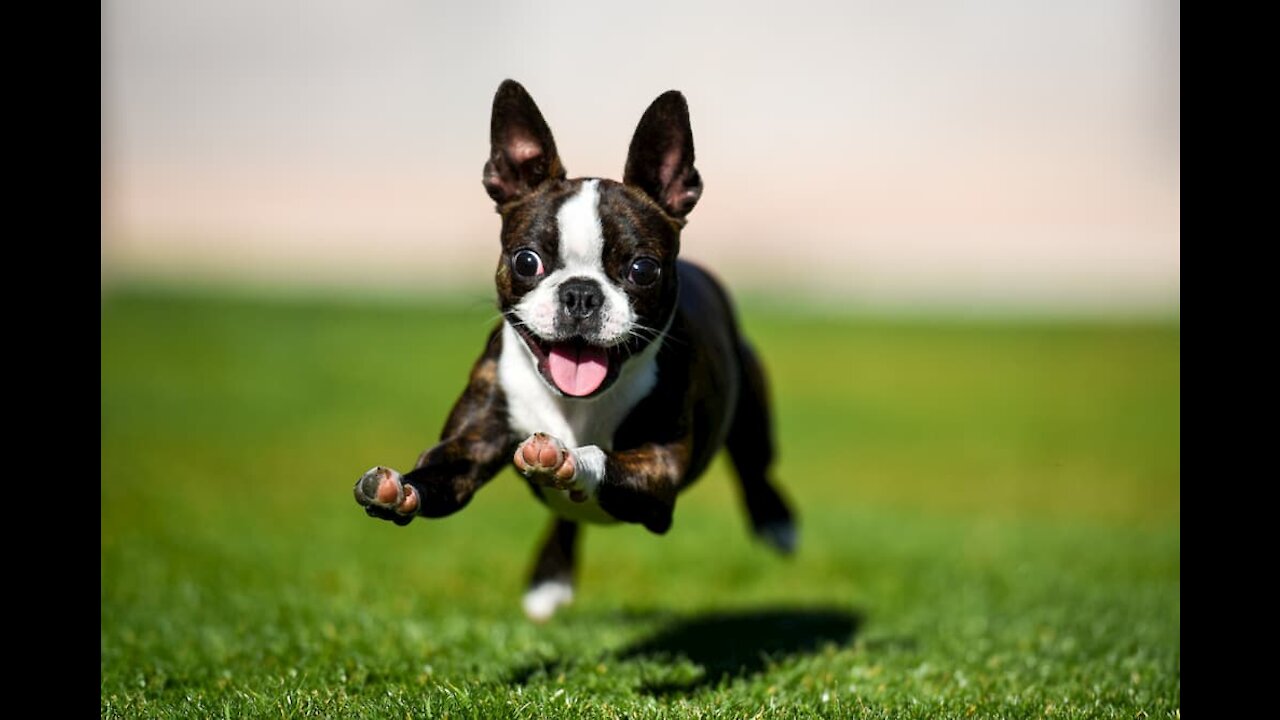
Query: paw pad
{"points": [[546, 461], [382, 487]]}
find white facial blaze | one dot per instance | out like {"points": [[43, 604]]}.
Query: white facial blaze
{"points": [[581, 237], [581, 256]]}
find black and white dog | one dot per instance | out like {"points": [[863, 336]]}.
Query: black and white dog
{"points": [[618, 371]]}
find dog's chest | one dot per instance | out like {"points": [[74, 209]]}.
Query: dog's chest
{"points": [[532, 406]]}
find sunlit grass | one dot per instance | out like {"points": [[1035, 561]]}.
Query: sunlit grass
{"points": [[990, 527]]}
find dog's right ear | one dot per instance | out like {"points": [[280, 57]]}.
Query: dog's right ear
{"points": [[522, 153]]}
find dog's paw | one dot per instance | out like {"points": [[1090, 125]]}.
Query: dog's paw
{"points": [[780, 535], [384, 494], [542, 600], [546, 461]]}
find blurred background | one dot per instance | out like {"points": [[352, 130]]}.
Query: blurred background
{"points": [[953, 233], [988, 154]]}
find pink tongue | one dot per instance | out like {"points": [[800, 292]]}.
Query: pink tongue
{"points": [[577, 369]]}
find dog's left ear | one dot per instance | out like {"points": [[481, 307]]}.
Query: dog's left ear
{"points": [[660, 161]]}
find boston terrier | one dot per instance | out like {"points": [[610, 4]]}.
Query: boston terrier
{"points": [[617, 371]]}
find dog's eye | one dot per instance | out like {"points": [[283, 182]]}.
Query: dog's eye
{"points": [[527, 264], [644, 271]]}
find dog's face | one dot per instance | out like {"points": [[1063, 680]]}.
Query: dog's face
{"points": [[587, 276]]}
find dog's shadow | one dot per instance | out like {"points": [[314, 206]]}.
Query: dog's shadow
{"points": [[727, 645]]}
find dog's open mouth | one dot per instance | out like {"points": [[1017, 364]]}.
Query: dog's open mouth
{"points": [[574, 366], [578, 369]]}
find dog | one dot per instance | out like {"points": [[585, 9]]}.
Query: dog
{"points": [[617, 370]]}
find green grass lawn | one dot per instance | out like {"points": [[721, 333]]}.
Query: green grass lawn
{"points": [[989, 528]]}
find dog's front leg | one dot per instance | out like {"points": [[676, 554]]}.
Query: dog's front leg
{"points": [[435, 489], [474, 446], [446, 478], [637, 485]]}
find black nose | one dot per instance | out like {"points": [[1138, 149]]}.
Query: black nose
{"points": [[580, 297]]}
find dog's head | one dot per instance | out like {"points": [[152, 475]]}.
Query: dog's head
{"points": [[587, 276]]}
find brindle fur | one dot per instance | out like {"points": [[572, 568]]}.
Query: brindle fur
{"points": [[711, 392]]}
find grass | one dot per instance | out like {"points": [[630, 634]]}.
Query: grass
{"points": [[990, 528]]}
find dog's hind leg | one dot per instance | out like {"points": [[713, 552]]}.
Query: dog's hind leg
{"points": [[750, 446], [551, 582]]}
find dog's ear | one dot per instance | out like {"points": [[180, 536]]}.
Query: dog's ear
{"points": [[522, 153], [660, 161]]}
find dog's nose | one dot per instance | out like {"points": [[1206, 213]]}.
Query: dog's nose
{"points": [[581, 297]]}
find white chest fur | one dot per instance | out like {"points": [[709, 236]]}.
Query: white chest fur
{"points": [[533, 406]]}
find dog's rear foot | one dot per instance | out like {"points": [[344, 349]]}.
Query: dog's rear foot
{"points": [[779, 534], [384, 494], [541, 601], [771, 518]]}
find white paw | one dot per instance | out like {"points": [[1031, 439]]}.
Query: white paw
{"points": [[541, 602]]}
